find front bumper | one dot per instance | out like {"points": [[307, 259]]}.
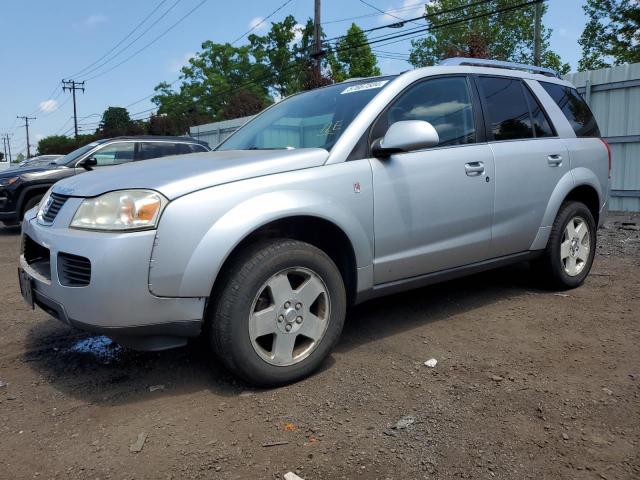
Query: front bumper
{"points": [[116, 302]]}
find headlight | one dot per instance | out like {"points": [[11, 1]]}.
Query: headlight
{"points": [[120, 210], [8, 181]]}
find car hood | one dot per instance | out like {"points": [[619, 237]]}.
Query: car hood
{"points": [[14, 172], [178, 175]]}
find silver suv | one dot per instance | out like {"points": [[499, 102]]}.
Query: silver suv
{"points": [[326, 199]]}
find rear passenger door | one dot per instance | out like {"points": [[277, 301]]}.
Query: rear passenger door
{"points": [[529, 161]]}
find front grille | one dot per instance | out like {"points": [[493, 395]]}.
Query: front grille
{"points": [[37, 256], [73, 270], [55, 203]]}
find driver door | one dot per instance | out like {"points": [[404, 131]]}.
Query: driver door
{"points": [[433, 208]]}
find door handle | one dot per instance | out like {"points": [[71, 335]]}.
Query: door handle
{"points": [[473, 169], [554, 160]]}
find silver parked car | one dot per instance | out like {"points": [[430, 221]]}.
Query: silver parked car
{"points": [[326, 199]]}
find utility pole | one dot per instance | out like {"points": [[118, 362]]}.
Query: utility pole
{"points": [[26, 125], [317, 36], [72, 86], [4, 146], [537, 33], [7, 146]]}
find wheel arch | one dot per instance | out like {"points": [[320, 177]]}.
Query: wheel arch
{"points": [[27, 194], [580, 185], [315, 230], [190, 267]]}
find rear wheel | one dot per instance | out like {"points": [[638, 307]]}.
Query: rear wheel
{"points": [[568, 258], [279, 312]]}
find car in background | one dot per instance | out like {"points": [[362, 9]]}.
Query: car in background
{"points": [[39, 160], [22, 189]]}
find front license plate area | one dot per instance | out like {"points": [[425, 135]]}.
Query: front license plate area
{"points": [[26, 287]]}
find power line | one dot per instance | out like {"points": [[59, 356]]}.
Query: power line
{"points": [[134, 30], [368, 15], [262, 21], [150, 43], [386, 13], [154, 23], [392, 38]]}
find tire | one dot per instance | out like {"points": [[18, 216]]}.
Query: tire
{"points": [[255, 319], [570, 272], [32, 202]]}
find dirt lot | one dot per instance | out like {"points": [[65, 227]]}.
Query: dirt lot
{"points": [[529, 384]]}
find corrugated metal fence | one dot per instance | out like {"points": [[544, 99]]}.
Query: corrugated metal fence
{"points": [[214, 133], [614, 97], [612, 93]]}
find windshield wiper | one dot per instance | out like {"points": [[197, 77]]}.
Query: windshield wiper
{"points": [[266, 148]]}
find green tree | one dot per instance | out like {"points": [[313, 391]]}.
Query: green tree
{"points": [[61, 145], [505, 36], [115, 122], [612, 34], [354, 56], [19, 158], [210, 80], [277, 54], [56, 144]]}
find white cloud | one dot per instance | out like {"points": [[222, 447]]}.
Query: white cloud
{"points": [[48, 105], [408, 9], [176, 64], [297, 32], [258, 24], [94, 20]]}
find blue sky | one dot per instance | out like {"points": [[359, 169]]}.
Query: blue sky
{"points": [[43, 41]]}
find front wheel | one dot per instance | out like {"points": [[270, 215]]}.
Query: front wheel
{"points": [[279, 311], [568, 258]]}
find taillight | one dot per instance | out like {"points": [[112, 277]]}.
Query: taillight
{"points": [[608, 147]]}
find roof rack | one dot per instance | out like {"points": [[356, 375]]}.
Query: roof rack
{"points": [[483, 62]]}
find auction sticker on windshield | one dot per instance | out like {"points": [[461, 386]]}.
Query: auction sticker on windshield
{"points": [[364, 86]]}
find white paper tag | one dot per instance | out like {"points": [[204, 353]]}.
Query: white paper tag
{"points": [[364, 86]]}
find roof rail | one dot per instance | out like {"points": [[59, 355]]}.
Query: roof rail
{"points": [[483, 62]]}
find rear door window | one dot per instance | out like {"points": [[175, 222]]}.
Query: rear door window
{"points": [[507, 109], [541, 125], [150, 150], [574, 108]]}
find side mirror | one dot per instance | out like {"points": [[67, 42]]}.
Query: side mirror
{"points": [[405, 136], [88, 163]]}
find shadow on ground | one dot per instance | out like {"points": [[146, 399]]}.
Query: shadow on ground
{"points": [[96, 370], [9, 231]]}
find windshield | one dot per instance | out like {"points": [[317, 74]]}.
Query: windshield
{"points": [[73, 156], [313, 119]]}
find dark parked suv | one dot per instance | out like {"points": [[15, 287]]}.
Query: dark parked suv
{"points": [[21, 189]]}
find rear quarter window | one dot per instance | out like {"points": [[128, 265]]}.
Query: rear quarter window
{"points": [[575, 109]]}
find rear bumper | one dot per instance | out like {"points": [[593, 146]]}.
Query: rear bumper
{"points": [[116, 302]]}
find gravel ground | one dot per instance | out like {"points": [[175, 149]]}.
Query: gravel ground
{"points": [[528, 384]]}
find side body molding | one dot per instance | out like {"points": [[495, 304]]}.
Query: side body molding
{"points": [[219, 218]]}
